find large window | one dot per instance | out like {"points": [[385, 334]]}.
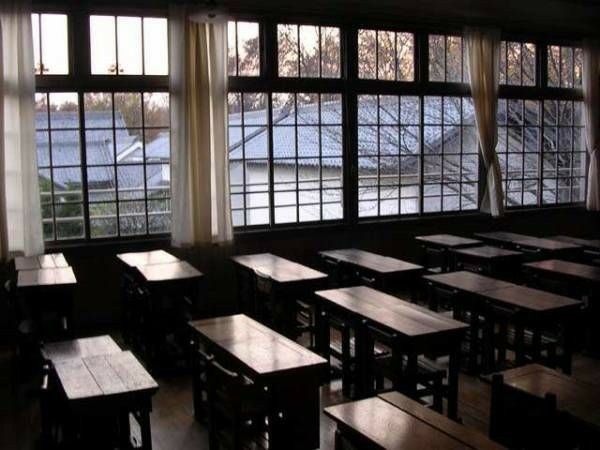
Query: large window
{"points": [[103, 146]]}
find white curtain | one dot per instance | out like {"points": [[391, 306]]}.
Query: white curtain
{"points": [[200, 175], [591, 98], [483, 56], [20, 214]]}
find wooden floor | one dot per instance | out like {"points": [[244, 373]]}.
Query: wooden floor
{"points": [[173, 425]]}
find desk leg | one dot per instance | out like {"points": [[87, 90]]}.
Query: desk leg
{"points": [[453, 369], [519, 344], [569, 337], [144, 421], [408, 381], [295, 416], [362, 358], [124, 429]]}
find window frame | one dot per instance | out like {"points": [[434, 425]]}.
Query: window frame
{"points": [[80, 80]]}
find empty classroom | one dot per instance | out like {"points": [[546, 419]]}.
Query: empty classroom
{"points": [[328, 224]]}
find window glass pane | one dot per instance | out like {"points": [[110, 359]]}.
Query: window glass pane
{"points": [[287, 44], [156, 46], [310, 54], [564, 66], [248, 48], [330, 52], [129, 45], [103, 45], [367, 54], [35, 31], [437, 58], [55, 44]]}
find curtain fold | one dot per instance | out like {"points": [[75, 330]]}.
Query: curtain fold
{"points": [[20, 211], [591, 99], [483, 57], [201, 211]]}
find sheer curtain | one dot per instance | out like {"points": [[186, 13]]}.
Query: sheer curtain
{"points": [[20, 213], [483, 56], [591, 98], [200, 174]]}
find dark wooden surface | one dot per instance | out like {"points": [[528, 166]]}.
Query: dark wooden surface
{"points": [[169, 271], [532, 300], [371, 261], [503, 236], [468, 281], [63, 276], [591, 244], [47, 261], [260, 350], [546, 244], [400, 316], [567, 268], [103, 376], [279, 269], [470, 437], [447, 240], [136, 259], [487, 252], [578, 398], [79, 348], [386, 426]]}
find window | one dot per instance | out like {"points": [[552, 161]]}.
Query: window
{"points": [[563, 152], [518, 150], [447, 61], [128, 170], [386, 55], [388, 155], [243, 55], [59, 165], [104, 149], [565, 65], [450, 155], [308, 51], [517, 63], [50, 44], [123, 45]]}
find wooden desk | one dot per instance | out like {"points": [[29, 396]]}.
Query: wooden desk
{"points": [[47, 261], [530, 243], [417, 331], [503, 237], [589, 244], [487, 259], [567, 270], [394, 422], [136, 259], [55, 352], [578, 399], [441, 244], [378, 270], [165, 272], [44, 278], [467, 282], [114, 383], [292, 282], [291, 373]]}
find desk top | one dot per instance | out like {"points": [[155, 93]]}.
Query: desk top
{"points": [[409, 427], [546, 244], [259, 349], [503, 236], [531, 299], [579, 399], [62, 276], [47, 261], [592, 244], [136, 259], [487, 252], [103, 375], [448, 240], [404, 318], [371, 261], [575, 270], [171, 271], [279, 269], [79, 348], [468, 281]]}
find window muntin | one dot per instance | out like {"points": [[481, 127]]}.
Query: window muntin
{"points": [[59, 165], [447, 59], [450, 154], [308, 51], [243, 49], [124, 45], [50, 44], [128, 163], [517, 63], [386, 55], [563, 152], [565, 66], [518, 150]]}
